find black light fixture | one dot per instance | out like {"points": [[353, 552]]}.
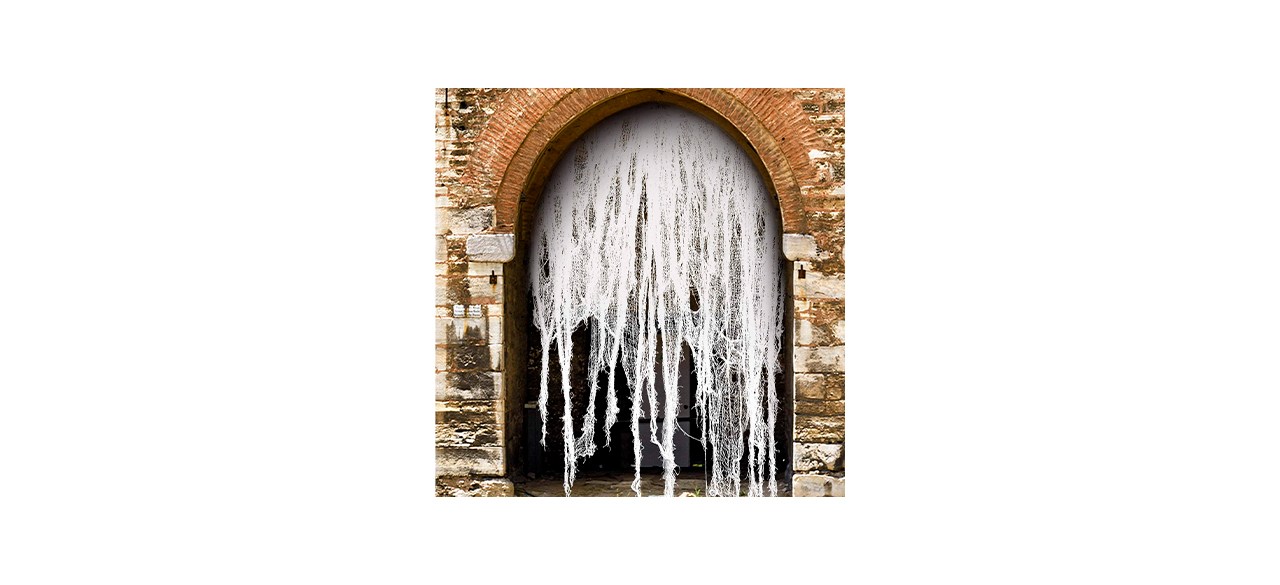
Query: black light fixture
{"points": [[801, 276], [493, 278]]}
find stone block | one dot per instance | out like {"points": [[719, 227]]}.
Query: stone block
{"points": [[467, 427], [442, 249], [491, 248], [818, 285], [820, 407], [810, 333], [814, 485], [819, 359], [819, 429], [484, 292], [494, 325], [819, 457], [459, 221], [469, 385], [451, 330], [462, 461], [819, 386], [463, 357], [485, 269], [822, 312], [470, 487], [468, 290], [455, 249], [799, 246], [452, 290]]}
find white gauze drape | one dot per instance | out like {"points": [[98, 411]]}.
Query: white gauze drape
{"points": [[655, 231]]}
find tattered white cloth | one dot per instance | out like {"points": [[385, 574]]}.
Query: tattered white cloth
{"points": [[652, 208]]}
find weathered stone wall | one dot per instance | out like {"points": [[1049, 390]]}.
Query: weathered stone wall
{"points": [[490, 145], [470, 418], [818, 360]]}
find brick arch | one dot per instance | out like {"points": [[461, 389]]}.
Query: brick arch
{"points": [[530, 130]]}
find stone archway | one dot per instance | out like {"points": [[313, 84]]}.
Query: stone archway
{"points": [[559, 124], [499, 178]]}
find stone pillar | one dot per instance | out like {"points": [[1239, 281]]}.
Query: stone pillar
{"points": [[818, 369], [470, 417], [470, 414]]}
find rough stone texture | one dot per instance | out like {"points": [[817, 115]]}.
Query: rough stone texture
{"points": [[819, 429], [474, 384], [493, 145], [822, 334], [464, 461], [818, 456], [820, 386], [467, 290], [819, 359], [467, 424], [474, 487], [491, 247], [815, 485], [817, 285], [455, 220], [820, 408], [799, 246]]}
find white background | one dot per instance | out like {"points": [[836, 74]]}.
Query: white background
{"points": [[216, 292]]}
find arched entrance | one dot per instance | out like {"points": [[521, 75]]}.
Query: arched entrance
{"points": [[538, 131], [495, 149], [659, 246]]}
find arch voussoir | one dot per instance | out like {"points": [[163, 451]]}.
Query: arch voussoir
{"points": [[528, 133]]}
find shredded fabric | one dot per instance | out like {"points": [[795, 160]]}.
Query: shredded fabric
{"points": [[656, 232]]}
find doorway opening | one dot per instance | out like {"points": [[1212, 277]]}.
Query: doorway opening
{"points": [[649, 384]]}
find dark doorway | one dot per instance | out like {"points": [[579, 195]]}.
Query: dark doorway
{"points": [[616, 460], [617, 456]]}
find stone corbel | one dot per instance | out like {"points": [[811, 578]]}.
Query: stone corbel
{"points": [[794, 247], [491, 247]]}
